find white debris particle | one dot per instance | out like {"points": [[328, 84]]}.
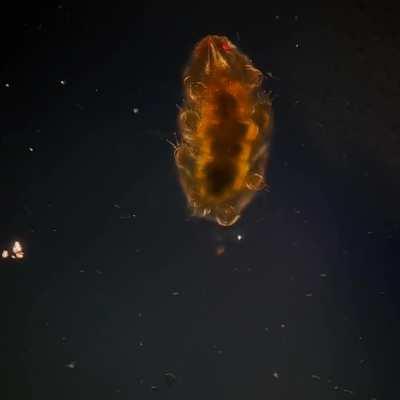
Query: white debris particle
{"points": [[4, 254], [81, 271], [17, 250], [239, 237], [71, 365], [175, 293], [323, 275], [283, 326], [141, 344], [116, 205], [309, 294], [7, 85], [297, 45], [316, 377], [31, 149], [336, 387], [348, 391], [275, 375], [135, 110], [63, 83]]}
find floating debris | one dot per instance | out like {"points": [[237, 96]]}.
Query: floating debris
{"points": [[170, 378], [15, 253], [275, 375], [71, 365], [239, 237], [316, 377], [220, 250]]}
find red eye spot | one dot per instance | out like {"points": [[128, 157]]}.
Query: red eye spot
{"points": [[226, 46]]}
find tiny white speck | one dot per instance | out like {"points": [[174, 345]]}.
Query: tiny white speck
{"points": [[81, 271], [316, 377], [141, 344], [31, 149], [135, 110], [283, 325], [71, 365], [239, 237], [275, 375], [309, 294], [62, 82], [323, 275], [175, 293], [7, 85], [297, 45]]}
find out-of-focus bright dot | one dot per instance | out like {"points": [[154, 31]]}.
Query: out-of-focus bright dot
{"points": [[141, 344], [31, 149], [323, 275], [316, 377], [7, 85], [62, 82], [276, 16], [135, 110], [348, 391], [220, 250], [4, 254], [297, 45], [71, 365], [275, 375], [296, 17], [309, 294], [175, 293], [239, 237], [283, 326]]}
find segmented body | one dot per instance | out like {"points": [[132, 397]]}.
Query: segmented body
{"points": [[225, 131]]}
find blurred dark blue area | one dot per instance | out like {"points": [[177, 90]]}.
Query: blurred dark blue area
{"points": [[121, 295]]}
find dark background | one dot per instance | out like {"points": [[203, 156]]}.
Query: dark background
{"points": [[121, 295]]}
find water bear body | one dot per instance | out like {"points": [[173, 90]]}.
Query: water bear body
{"points": [[225, 130]]}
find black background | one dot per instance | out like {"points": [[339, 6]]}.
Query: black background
{"points": [[120, 284]]}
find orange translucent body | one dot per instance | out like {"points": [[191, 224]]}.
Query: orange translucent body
{"points": [[225, 130]]}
